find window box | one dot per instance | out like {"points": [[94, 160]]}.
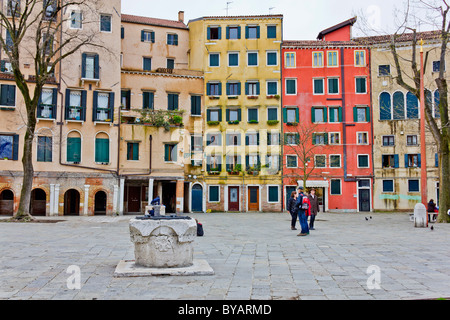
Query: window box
{"points": [[292, 124], [252, 97], [234, 122], [214, 172], [233, 97], [214, 97], [276, 96], [253, 121], [213, 123], [273, 122]]}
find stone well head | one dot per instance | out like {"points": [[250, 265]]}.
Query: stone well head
{"points": [[163, 242]]}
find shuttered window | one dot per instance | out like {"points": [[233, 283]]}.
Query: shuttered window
{"points": [[74, 150], [44, 149], [8, 95]]}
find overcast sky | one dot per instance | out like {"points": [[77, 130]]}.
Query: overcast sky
{"points": [[303, 19]]}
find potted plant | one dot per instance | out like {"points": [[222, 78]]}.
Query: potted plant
{"points": [[233, 122], [236, 170], [176, 120], [273, 122], [213, 123], [253, 121], [214, 171]]}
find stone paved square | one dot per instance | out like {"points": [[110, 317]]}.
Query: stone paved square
{"points": [[254, 256]]}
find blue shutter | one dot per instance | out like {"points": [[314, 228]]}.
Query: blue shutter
{"points": [[142, 35], [94, 106], [396, 161], [67, 104], [16, 147], [83, 65], [96, 67], [406, 161], [419, 161], [111, 106], [208, 33], [54, 103], [83, 104], [436, 160]]}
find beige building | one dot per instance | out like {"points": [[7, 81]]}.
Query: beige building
{"points": [[75, 154], [161, 126], [397, 136]]}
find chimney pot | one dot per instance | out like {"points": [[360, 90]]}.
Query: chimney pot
{"points": [[181, 16]]}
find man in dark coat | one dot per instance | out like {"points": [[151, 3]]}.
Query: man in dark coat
{"points": [[315, 208], [301, 213]]}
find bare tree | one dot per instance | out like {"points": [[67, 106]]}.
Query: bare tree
{"points": [[38, 30]]}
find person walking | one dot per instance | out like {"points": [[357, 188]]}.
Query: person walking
{"points": [[315, 208], [302, 213], [292, 209]]}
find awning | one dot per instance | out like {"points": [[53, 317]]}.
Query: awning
{"points": [[314, 183]]}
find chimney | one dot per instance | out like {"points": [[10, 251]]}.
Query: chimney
{"points": [[181, 16]]}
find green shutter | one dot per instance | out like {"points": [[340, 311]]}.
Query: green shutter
{"points": [[102, 150], [73, 149], [166, 152], [284, 115], [355, 114], [313, 115]]}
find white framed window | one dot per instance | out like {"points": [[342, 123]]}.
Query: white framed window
{"points": [[214, 194], [291, 161], [320, 161], [252, 59], [233, 59], [335, 161], [214, 60], [271, 58], [362, 138], [106, 23], [319, 86], [360, 58], [273, 194], [272, 87], [336, 187], [333, 85], [291, 86], [76, 19], [334, 138], [272, 114], [363, 161]]}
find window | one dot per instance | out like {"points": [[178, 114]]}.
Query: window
{"points": [[412, 161], [388, 185], [399, 105], [291, 161], [291, 86], [272, 88], [252, 88], [362, 138], [272, 58], [103, 107], [147, 36], [252, 32], [291, 115], [318, 114], [252, 59], [44, 149], [196, 105], [172, 39], [47, 43], [332, 58], [233, 115], [411, 140], [272, 114], [335, 187], [214, 33], [233, 163], [384, 70], [90, 68], [233, 89], [413, 186], [170, 153], [320, 138], [320, 161], [213, 139], [335, 114], [7, 95], [252, 115], [319, 86], [252, 139], [214, 163], [133, 151], [437, 66], [214, 115], [335, 161], [105, 22], [102, 150], [74, 149], [76, 20], [360, 58], [361, 114], [214, 194], [173, 99], [125, 99], [8, 41], [385, 106], [147, 64], [148, 100], [273, 194], [233, 32], [214, 89], [412, 106], [233, 139], [49, 7], [290, 60], [214, 59], [13, 8], [75, 105], [47, 104], [170, 63], [363, 161], [390, 161], [361, 85], [317, 59], [9, 147], [335, 138], [233, 59], [388, 141], [273, 139], [333, 85], [271, 32], [292, 139], [273, 162]]}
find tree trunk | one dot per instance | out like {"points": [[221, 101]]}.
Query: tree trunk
{"points": [[444, 184], [28, 175]]}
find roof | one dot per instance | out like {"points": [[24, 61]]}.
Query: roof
{"points": [[254, 17], [349, 22], [322, 44], [154, 21]]}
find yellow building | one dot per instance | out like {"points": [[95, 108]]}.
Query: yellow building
{"points": [[240, 57]]}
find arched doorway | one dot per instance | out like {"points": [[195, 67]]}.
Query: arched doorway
{"points": [[38, 205], [6, 203], [72, 203], [197, 198], [100, 203]]}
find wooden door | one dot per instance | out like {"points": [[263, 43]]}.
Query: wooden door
{"points": [[253, 198], [197, 198], [134, 199], [233, 199]]}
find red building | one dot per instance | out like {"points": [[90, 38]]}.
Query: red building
{"points": [[327, 119]]}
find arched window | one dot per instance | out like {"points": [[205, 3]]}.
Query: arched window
{"points": [[102, 148], [412, 106], [385, 106], [399, 105]]}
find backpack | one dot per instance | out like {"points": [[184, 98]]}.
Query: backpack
{"points": [[303, 205]]}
